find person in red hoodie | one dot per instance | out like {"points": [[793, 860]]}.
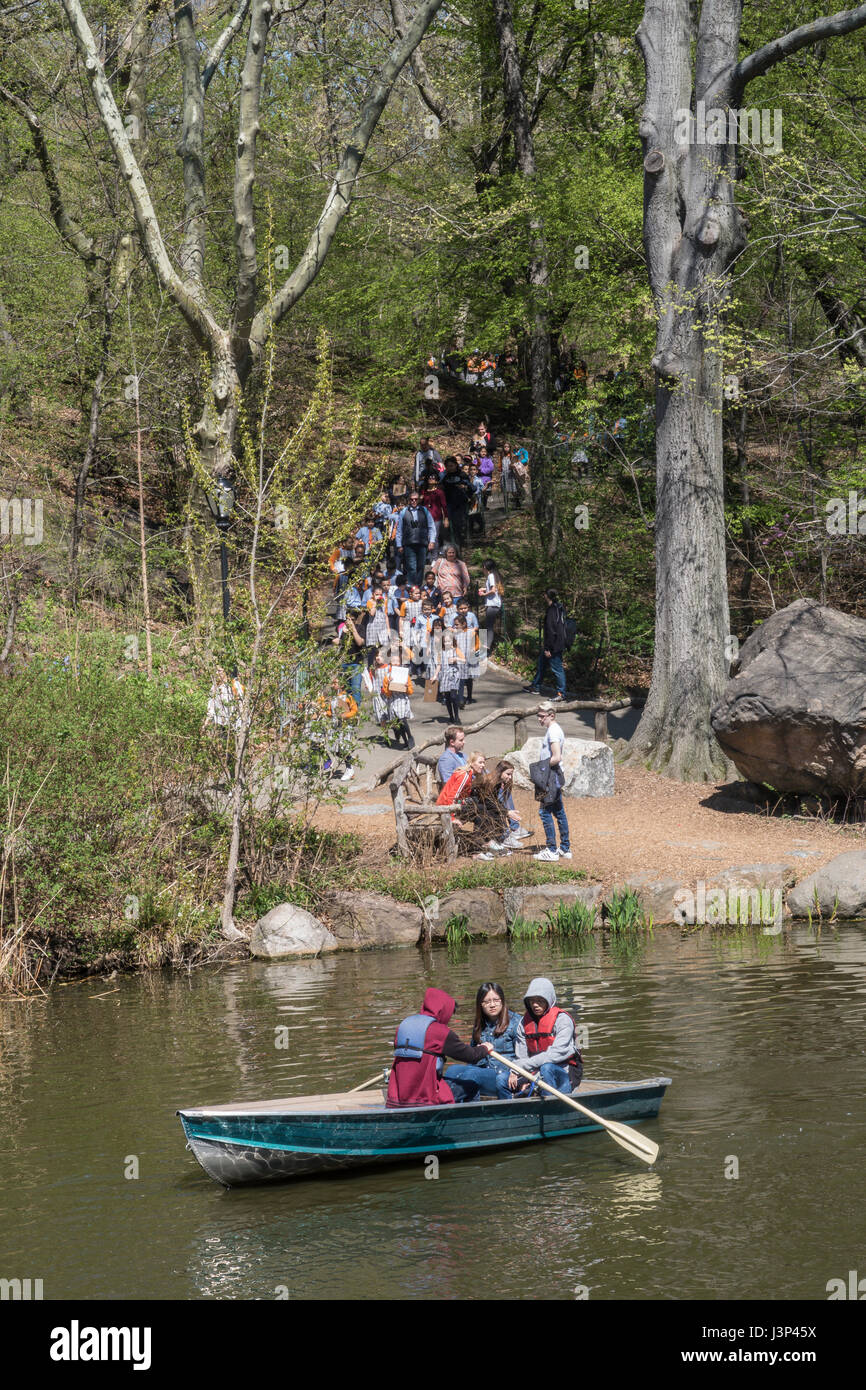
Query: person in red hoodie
{"points": [[421, 1043]]}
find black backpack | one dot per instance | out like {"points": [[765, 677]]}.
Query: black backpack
{"points": [[567, 626]]}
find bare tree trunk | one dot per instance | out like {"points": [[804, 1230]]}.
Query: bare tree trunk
{"points": [[693, 232]]}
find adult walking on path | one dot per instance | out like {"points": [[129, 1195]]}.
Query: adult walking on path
{"points": [[415, 538], [552, 644], [451, 574], [458, 496], [493, 592], [425, 456], [553, 812]]}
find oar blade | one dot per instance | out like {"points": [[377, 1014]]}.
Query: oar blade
{"points": [[636, 1143]]}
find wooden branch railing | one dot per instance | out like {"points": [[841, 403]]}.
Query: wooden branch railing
{"points": [[404, 767], [602, 709]]}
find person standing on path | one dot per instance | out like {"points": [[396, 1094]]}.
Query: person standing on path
{"points": [[415, 538], [452, 576], [492, 591], [552, 751], [458, 496], [425, 455], [552, 645]]}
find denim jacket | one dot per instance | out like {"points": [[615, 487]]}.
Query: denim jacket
{"points": [[504, 1043]]}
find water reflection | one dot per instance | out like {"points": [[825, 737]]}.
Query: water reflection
{"points": [[762, 1036]]}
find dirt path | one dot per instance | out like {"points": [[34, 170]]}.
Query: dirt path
{"points": [[650, 825]]}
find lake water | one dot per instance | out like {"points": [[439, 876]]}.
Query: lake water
{"points": [[763, 1037]]}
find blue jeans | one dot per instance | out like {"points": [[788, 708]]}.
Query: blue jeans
{"points": [[468, 1082], [413, 560], [555, 663], [556, 811], [353, 676], [555, 1075]]}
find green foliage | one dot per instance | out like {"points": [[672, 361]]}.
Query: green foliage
{"points": [[571, 919], [623, 912]]}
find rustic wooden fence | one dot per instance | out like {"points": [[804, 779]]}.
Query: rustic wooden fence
{"points": [[408, 772]]}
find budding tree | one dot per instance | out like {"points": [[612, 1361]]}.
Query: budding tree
{"points": [[235, 348]]}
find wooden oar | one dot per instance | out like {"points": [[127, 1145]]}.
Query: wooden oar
{"points": [[381, 1076], [630, 1139]]}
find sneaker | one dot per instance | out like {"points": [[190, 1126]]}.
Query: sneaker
{"points": [[566, 854], [494, 844], [522, 834], [349, 774], [557, 698], [511, 842], [483, 856], [548, 856]]}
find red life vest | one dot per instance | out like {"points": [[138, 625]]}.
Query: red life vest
{"points": [[540, 1033]]}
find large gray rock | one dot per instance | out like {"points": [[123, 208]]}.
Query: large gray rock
{"points": [[482, 906], [839, 887], [361, 920], [288, 930], [587, 765], [794, 715], [669, 900], [532, 904]]}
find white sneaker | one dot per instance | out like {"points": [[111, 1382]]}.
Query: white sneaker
{"points": [[512, 842], [522, 834], [495, 845], [549, 856], [483, 856], [348, 775], [566, 854]]}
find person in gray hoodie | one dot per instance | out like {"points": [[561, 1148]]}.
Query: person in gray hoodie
{"points": [[546, 1041]]}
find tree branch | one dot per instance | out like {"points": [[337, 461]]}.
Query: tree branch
{"points": [[72, 234], [188, 298], [245, 174], [340, 194], [222, 44], [827, 27], [191, 147]]}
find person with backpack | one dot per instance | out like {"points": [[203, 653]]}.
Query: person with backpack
{"points": [[553, 644], [415, 537]]}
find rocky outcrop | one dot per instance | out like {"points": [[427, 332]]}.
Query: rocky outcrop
{"points": [[741, 893], [482, 907], [839, 889], [362, 920], [532, 904], [794, 715], [288, 930], [587, 766]]}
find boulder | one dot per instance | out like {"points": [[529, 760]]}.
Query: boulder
{"points": [[288, 930], [361, 920], [840, 888], [668, 900], [482, 906], [587, 765], [794, 715], [532, 904]]}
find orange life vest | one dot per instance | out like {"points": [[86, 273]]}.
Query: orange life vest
{"points": [[540, 1033]]}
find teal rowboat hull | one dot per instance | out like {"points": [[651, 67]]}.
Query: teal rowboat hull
{"points": [[271, 1141]]}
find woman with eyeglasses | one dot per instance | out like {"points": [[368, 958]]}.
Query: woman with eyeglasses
{"points": [[496, 1025]]}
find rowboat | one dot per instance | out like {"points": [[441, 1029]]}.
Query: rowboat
{"points": [[273, 1140]]}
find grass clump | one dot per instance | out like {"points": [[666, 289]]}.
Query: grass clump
{"points": [[571, 919], [457, 930], [623, 912]]}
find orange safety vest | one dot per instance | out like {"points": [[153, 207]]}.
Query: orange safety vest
{"points": [[540, 1033]]}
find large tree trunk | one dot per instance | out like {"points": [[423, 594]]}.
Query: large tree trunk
{"points": [[692, 231]]}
